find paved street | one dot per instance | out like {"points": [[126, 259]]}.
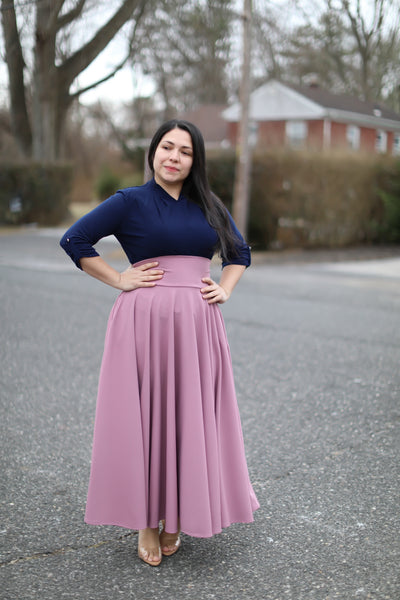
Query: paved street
{"points": [[316, 353]]}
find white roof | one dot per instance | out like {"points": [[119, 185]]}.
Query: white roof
{"points": [[274, 101]]}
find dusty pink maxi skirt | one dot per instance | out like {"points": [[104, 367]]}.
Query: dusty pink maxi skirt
{"points": [[168, 440]]}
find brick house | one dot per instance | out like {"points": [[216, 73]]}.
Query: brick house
{"points": [[283, 115], [208, 118]]}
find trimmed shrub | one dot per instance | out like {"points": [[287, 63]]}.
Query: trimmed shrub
{"points": [[34, 193], [303, 199], [388, 229], [107, 184], [221, 174], [132, 180]]}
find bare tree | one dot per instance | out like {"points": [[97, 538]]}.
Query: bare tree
{"points": [[353, 47], [270, 35], [370, 39], [189, 52], [39, 128]]}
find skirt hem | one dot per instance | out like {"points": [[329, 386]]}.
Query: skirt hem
{"points": [[184, 531]]}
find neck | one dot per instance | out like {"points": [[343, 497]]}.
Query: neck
{"points": [[172, 190]]}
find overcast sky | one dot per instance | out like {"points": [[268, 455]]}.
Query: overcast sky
{"points": [[129, 82]]}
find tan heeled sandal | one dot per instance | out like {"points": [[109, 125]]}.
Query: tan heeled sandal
{"points": [[173, 545], [144, 554]]}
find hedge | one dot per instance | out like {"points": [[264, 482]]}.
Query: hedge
{"points": [[34, 193], [301, 199], [297, 199]]}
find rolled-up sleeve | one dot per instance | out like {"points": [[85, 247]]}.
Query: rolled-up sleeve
{"points": [[243, 254], [104, 220]]}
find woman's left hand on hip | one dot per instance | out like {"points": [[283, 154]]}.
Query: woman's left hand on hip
{"points": [[213, 292]]}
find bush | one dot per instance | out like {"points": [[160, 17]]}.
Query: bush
{"points": [[303, 199], [132, 180], [221, 174], [107, 184], [34, 193], [389, 227]]}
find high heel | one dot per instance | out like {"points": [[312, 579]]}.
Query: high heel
{"points": [[173, 545], [144, 554]]}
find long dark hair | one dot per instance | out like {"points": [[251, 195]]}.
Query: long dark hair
{"points": [[196, 186]]}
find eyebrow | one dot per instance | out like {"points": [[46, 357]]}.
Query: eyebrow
{"points": [[173, 144]]}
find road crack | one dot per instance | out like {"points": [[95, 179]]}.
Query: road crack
{"points": [[65, 550]]}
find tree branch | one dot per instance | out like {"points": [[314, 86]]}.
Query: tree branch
{"points": [[79, 61], [117, 67], [69, 16], [102, 80], [58, 4]]}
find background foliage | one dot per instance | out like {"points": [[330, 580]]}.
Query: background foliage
{"points": [[316, 200], [34, 193], [190, 50]]}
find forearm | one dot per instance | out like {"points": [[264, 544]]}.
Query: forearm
{"points": [[230, 277], [145, 275], [98, 268]]}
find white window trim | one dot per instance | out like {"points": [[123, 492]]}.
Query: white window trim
{"points": [[396, 144], [381, 141], [353, 136], [296, 133]]}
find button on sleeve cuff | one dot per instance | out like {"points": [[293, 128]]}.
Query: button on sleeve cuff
{"points": [[77, 248]]}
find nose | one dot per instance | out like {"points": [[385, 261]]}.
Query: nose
{"points": [[174, 155]]}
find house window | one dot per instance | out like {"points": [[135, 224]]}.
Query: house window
{"points": [[353, 137], [296, 133], [396, 144], [253, 133], [381, 141]]}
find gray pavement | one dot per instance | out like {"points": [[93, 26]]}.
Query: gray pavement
{"points": [[316, 350]]}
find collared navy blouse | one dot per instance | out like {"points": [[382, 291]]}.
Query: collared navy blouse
{"points": [[148, 222]]}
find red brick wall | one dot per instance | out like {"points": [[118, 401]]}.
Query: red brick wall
{"points": [[315, 137], [390, 141], [271, 133], [367, 139], [338, 135], [232, 133]]}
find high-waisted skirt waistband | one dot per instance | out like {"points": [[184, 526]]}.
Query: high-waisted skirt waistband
{"points": [[181, 270]]}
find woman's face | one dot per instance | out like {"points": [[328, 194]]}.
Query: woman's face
{"points": [[173, 158]]}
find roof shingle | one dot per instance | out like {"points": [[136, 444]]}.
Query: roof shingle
{"points": [[344, 102]]}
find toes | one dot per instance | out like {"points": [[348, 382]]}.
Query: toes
{"points": [[153, 558], [150, 556]]}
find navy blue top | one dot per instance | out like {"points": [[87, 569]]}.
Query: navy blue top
{"points": [[148, 222]]}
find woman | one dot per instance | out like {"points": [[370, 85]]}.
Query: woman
{"points": [[167, 442]]}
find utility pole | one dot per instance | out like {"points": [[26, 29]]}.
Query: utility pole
{"points": [[243, 155]]}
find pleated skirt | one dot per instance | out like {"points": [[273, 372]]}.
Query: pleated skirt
{"points": [[168, 441]]}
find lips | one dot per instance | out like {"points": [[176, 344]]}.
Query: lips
{"points": [[171, 169]]}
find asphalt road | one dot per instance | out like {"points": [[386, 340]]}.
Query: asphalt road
{"points": [[316, 353]]}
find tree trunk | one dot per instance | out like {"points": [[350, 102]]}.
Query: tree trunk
{"points": [[15, 63], [45, 109], [51, 98], [243, 156]]}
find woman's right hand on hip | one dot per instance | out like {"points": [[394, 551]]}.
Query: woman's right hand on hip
{"points": [[145, 275]]}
